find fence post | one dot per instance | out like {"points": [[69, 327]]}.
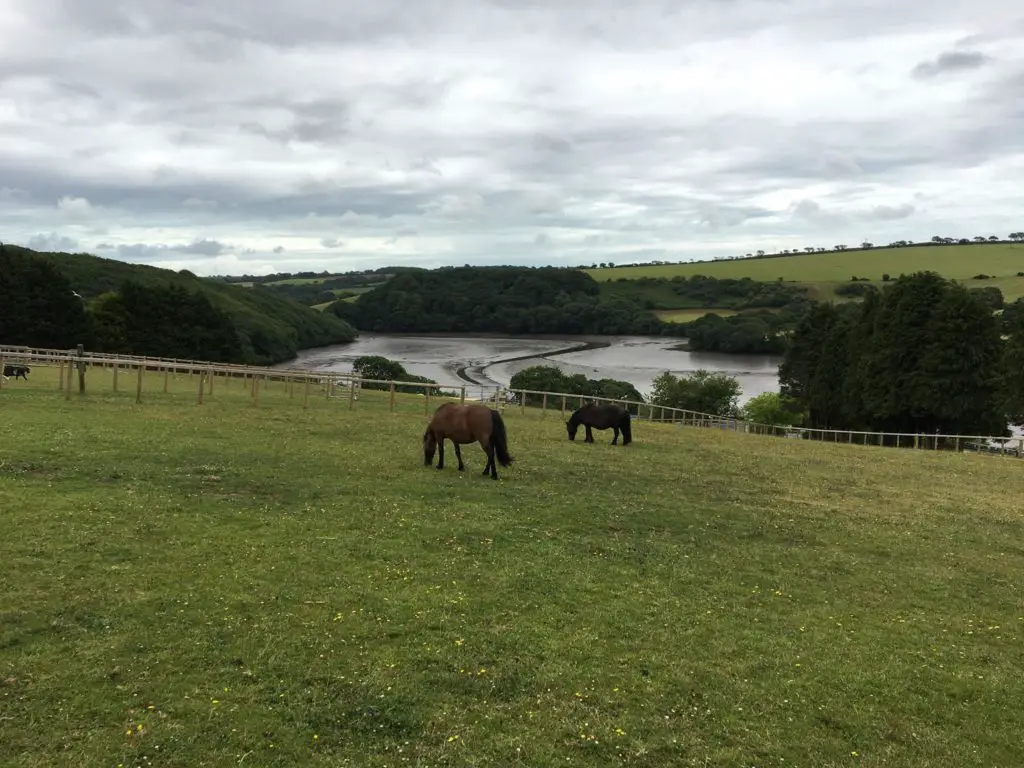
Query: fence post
{"points": [[81, 371], [167, 375], [117, 366], [211, 373], [305, 395], [199, 394], [522, 402], [544, 405], [563, 406], [391, 397], [462, 395], [351, 392], [60, 370], [138, 383]]}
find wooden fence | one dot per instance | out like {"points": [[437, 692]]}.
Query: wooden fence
{"points": [[347, 387]]}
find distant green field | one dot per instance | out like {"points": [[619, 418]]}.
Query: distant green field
{"points": [[1001, 260], [357, 290], [301, 280], [688, 315], [821, 273]]}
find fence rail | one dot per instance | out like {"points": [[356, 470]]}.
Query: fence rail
{"points": [[348, 386]]}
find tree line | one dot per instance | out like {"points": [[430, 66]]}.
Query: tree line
{"points": [[112, 306], [525, 300], [510, 300]]}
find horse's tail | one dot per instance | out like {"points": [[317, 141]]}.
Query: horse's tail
{"points": [[499, 439], [626, 428]]}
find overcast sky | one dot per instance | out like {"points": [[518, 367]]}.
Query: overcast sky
{"points": [[254, 136]]}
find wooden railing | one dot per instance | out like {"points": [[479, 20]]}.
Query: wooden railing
{"points": [[347, 386]]}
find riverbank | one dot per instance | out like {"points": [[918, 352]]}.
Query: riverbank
{"points": [[484, 362]]}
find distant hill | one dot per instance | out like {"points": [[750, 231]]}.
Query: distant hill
{"points": [[137, 309]]}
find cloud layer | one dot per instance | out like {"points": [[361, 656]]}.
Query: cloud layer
{"points": [[255, 136]]}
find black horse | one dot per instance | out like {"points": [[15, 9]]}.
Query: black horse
{"points": [[17, 371], [601, 416]]}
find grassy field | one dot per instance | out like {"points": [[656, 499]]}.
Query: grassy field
{"points": [[822, 271], [205, 585], [688, 315]]}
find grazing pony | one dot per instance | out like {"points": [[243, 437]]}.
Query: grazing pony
{"points": [[468, 423], [17, 371], [601, 416]]}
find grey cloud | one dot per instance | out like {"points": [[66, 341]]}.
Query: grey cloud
{"points": [[332, 242], [806, 208], [717, 216], [143, 252], [892, 212], [52, 242], [204, 248], [950, 62], [544, 142]]}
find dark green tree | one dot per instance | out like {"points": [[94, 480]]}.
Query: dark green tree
{"points": [[548, 378], [381, 369], [923, 356], [702, 391], [38, 306], [165, 321]]}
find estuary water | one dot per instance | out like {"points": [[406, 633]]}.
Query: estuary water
{"points": [[483, 362]]}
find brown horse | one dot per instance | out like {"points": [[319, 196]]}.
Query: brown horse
{"points": [[467, 424]]}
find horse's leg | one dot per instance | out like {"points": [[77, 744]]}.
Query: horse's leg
{"points": [[458, 455], [491, 454], [615, 439], [486, 445], [590, 435], [440, 453]]}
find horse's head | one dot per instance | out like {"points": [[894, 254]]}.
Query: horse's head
{"points": [[429, 446], [570, 428]]}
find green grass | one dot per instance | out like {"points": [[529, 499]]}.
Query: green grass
{"points": [[300, 281], [358, 290], [688, 315], [823, 271], [270, 585]]}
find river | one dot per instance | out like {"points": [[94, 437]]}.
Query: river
{"points": [[484, 362]]}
